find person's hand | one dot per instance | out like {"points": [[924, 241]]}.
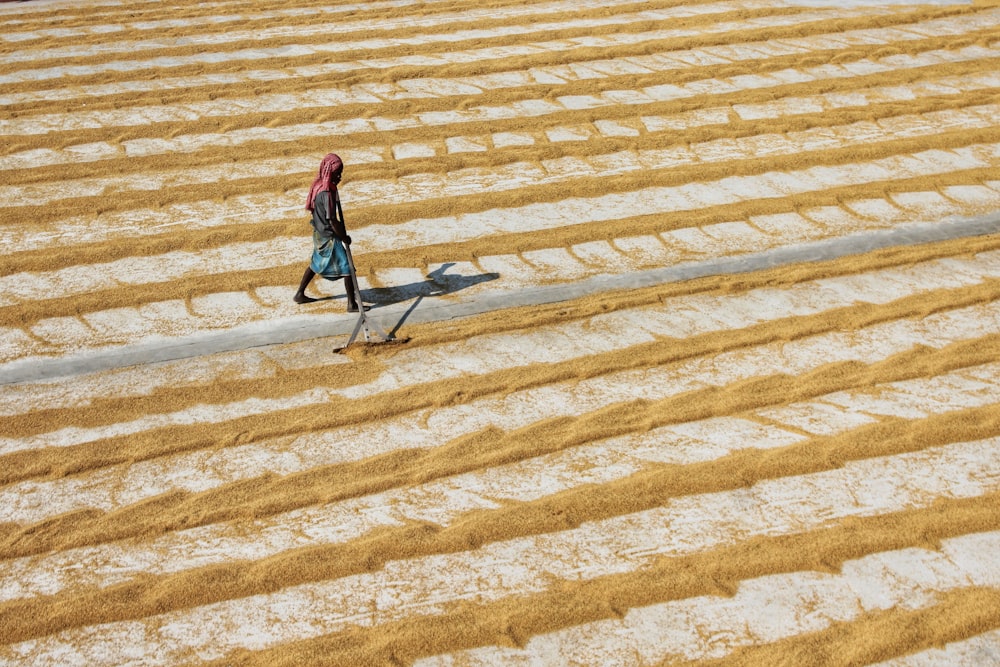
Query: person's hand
{"points": [[347, 240]]}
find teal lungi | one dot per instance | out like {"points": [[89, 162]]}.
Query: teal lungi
{"points": [[329, 258]]}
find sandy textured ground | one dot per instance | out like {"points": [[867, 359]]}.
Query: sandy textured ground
{"points": [[794, 465]]}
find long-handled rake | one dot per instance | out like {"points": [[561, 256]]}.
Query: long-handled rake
{"points": [[370, 328]]}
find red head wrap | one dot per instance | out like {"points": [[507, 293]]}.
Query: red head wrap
{"points": [[330, 164]]}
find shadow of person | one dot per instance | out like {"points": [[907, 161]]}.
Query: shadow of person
{"points": [[438, 283]]}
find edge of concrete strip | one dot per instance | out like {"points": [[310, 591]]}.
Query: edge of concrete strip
{"points": [[432, 309]]}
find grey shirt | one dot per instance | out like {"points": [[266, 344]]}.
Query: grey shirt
{"points": [[322, 216]]}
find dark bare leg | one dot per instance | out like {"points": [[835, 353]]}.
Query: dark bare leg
{"points": [[300, 296]]}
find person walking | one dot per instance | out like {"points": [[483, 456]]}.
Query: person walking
{"points": [[329, 257]]}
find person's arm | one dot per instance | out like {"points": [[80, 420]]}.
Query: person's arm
{"points": [[337, 221]]}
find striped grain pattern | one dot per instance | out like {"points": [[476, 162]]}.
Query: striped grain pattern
{"points": [[793, 464]]}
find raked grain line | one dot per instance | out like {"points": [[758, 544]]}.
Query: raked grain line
{"points": [[414, 90], [145, 390], [423, 45], [74, 17], [510, 622], [491, 23], [203, 17], [151, 13], [374, 93], [304, 450], [485, 354], [687, 194], [458, 61], [987, 373], [697, 161], [28, 214], [352, 134], [444, 501], [889, 70], [379, 192], [382, 33], [980, 650], [302, 60], [560, 134], [942, 129], [34, 29], [79, 400], [82, 409], [33, 501], [425, 586], [39, 29], [627, 253], [447, 541], [401, 151], [376, 192], [181, 438], [485, 493], [578, 143], [290, 79], [556, 148], [54, 7], [713, 627], [140, 321], [396, 643], [29, 100], [205, 487], [238, 309], [76, 14], [930, 406], [641, 253], [201, 214]]}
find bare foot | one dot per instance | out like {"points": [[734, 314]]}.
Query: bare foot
{"points": [[302, 298], [353, 308]]}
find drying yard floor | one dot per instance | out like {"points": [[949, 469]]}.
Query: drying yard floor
{"points": [[697, 319]]}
